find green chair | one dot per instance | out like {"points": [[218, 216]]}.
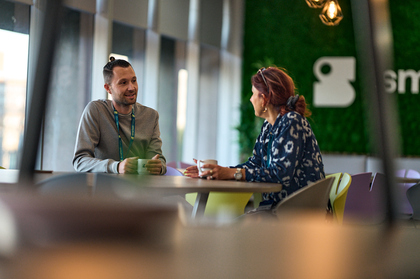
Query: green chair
{"points": [[218, 203], [337, 177], [338, 196]]}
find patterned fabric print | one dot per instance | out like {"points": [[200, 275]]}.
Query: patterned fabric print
{"points": [[294, 157]]}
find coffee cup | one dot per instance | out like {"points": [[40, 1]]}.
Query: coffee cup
{"points": [[141, 166], [200, 163]]}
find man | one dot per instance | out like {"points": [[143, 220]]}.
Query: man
{"points": [[113, 134]]}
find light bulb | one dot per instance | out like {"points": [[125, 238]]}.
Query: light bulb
{"points": [[331, 13], [315, 3], [332, 10]]}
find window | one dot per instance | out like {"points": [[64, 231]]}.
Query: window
{"points": [[172, 91], [128, 44], [69, 90], [14, 38]]}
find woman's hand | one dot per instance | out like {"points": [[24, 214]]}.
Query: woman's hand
{"points": [[215, 172], [218, 172], [191, 171]]}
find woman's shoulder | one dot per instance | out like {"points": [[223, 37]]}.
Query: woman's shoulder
{"points": [[292, 118]]}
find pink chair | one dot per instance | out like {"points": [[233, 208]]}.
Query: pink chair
{"points": [[413, 195], [405, 207], [183, 165], [173, 171], [359, 199], [172, 164], [178, 165]]}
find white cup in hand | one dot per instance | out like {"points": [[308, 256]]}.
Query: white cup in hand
{"points": [[141, 166], [200, 163]]}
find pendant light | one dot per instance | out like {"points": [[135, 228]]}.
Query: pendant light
{"points": [[331, 14], [315, 3]]}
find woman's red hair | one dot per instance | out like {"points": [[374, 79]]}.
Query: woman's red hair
{"points": [[278, 86]]}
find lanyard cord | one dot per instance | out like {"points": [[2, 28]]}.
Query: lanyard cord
{"points": [[133, 130], [270, 144]]}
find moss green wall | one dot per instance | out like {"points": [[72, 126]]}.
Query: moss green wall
{"points": [[289, 34], [405, 19]]}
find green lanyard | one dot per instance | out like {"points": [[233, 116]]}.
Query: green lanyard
{"points": [[133, 130]]}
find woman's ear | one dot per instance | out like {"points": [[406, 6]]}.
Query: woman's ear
{"points": [[265, 101]]}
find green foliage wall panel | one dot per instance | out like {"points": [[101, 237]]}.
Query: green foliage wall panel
{"points": [[405, 19], [289, 34]]}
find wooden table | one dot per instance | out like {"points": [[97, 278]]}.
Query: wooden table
{"points": [[162, 185], [94, 238], [294, 247], [183, 185], [11, 176], [407, 180]]}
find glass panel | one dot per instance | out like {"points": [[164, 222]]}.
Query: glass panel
{"points": [[211, 19], [128, 44], [167, 98], [208, 102], [14, 38], [70, 90], [172, 93], [181, 109]]}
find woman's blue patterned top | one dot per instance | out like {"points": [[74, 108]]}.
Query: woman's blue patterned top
{"points": [[293, 160]]}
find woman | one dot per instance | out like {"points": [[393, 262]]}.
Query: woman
{"points": [[286, 151]]}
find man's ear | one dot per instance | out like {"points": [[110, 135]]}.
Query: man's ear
{"points": [[106, 86]]}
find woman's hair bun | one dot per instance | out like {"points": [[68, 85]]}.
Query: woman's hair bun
{"points": [[111, 59]]}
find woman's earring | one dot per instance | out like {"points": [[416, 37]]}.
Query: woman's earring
{"points": [[265, 109]]}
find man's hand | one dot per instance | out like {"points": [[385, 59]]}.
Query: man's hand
{"points": [[192, 171], [154, 165], [129, 165]]}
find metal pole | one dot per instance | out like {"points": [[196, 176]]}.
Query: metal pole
{"points": [[39, 97], [373, 37]]}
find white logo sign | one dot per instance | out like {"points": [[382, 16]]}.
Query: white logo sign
{"points": [[398, 81], [334, 88]]}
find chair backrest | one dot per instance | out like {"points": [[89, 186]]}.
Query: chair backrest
{"points": [[232, 204], [366, 206], [413, 196], [339, 202], [178, 165], [172, 164], [220, 203], [173, 171], [313, 197], [404, 206], [412, 174], [184, 165], [358, 197], [333, 193]]}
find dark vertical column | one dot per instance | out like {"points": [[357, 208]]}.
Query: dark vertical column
{"points": [[373, 35], [39, 94]]}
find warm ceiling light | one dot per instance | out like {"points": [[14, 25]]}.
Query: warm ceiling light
{"points": [[315, 3], [331, 13]]}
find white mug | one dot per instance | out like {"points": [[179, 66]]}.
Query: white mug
{"points": [[204, 162], [141, 166]]}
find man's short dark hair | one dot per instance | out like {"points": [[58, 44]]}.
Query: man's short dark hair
{"points": [[108, 68]]}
